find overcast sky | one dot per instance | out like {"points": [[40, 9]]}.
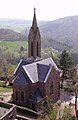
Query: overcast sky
{"points": [[45, 9]]}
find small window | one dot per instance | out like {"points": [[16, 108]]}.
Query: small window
{"points": [[16, 93], [51, 88], [22, 96], [31, 48], [37, 49], [33, 107]]}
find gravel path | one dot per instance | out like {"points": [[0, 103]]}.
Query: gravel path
{"points": [[60, 112], [6, 96]]}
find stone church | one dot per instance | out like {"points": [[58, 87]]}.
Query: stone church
{"points": [[35, 77]]}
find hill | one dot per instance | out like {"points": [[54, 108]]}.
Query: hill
{"points": [[64, 30], [50, 43], [10, 35], [17, 25], [61, 32]]}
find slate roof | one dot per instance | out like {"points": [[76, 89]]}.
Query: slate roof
{"points": [[24, 62], [48, 61], [37, 97], [21, 79], [42, 71], [20, 64], [36, 71], [31, 71]]}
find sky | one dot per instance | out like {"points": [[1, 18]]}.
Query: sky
{"points": [[45, 9]]}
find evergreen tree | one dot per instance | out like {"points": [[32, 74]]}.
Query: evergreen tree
{"points": [[66, 62]]}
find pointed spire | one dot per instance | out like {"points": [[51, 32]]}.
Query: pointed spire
{"points": [[34, 23]]}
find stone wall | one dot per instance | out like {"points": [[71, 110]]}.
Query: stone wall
{"points": [[53, 77], [11, 114]]}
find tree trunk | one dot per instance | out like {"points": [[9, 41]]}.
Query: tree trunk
{"points": [[63, 78], [76, 102], [62, 83]]}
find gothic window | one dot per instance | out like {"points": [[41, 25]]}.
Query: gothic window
{"points": [[37, 49], [51, 88], [33, 107], [22, 96], [16, 93], [31, 48], [58, 89]]}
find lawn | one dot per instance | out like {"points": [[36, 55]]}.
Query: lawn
{"points": [[13, 46], [5, 93], [67, 114], [5, 89]]}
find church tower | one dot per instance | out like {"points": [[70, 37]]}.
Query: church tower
{"points": [[34, 40]]}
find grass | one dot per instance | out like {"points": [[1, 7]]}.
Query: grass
{"points": [[51, 115], [67, 114], [1, 95], [13, 46], [5, 89], [54, 112]]}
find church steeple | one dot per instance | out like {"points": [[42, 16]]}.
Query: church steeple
{"points": [[34, 40], [34, 23]]}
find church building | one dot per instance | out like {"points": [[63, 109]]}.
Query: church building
{"points": [[35, 77]]}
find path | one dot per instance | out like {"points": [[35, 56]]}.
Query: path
{"points": [[6, 96], [60, 112], [73, 113], [65, 98]]}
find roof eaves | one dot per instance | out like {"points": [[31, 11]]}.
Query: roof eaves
{"points": [[18, 66], [48, 75], [55, 66], [15, 78]]}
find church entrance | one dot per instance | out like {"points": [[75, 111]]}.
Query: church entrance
{"points": [[33, 107]]}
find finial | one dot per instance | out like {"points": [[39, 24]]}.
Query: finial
{"points": [[34, 23]]}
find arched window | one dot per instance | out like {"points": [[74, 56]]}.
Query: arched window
{"points": [[16, 94], [31, 48], [37, 49], [22, 96], [51, 88], [33, 107]]}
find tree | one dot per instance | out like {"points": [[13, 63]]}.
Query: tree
{"points": [[52, 56], [76, 93], [73, 74], [65, 63], [49, 109], [47, 105]]}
